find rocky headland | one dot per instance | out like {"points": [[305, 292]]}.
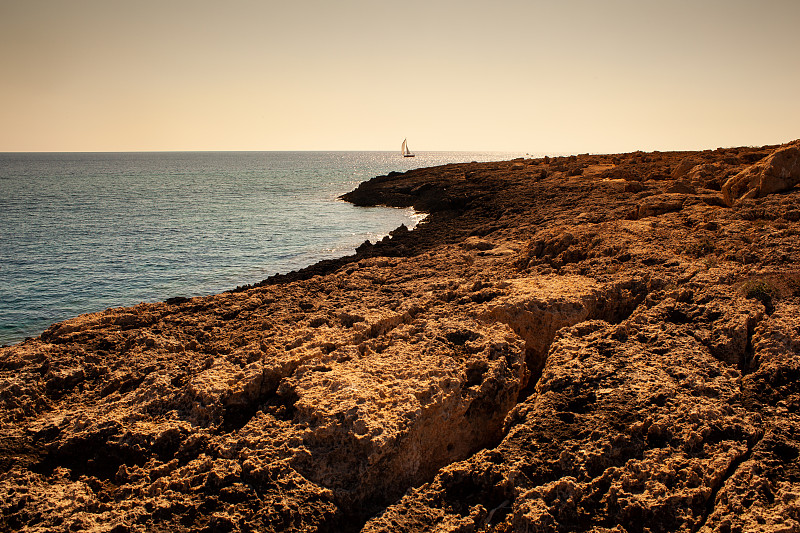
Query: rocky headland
{"points": [[584, 343]]}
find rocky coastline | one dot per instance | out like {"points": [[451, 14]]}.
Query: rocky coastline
{"points": [[585, 343]]}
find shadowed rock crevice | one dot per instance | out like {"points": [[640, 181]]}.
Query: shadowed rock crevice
{"points": [[99, 462], [236, 416], [717, 487], [538, 311]]}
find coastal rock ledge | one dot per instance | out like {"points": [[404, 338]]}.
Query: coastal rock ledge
{"points": [[586, 343]]}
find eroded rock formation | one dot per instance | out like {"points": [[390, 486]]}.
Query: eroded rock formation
{"points": [[780, 171], [592, 343]]}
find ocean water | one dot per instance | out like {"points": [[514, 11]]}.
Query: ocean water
{"points": [[82, 232]]}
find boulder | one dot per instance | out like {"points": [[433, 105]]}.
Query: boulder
{"points": [[660, 204], [684, 167], [707, 176], [780, 171]]}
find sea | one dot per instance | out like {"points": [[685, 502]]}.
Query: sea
{"points": [[83, 232]]}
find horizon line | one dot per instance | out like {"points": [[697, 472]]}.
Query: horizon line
{"points": [[534, 153], [538, 153]]}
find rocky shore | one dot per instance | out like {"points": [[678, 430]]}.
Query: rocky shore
{"points": [[584, 343]]}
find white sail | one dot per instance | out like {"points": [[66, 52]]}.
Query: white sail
{"points": [[404, 149]]}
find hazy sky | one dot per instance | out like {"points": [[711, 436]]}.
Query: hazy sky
{"points": [[531, 76]]}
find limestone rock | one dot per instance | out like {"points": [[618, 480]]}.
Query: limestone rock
{"points": [[778, 172], [660, 204], [684, 167]]}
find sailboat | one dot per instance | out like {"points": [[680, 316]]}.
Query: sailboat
{"points": [[404, 149]]}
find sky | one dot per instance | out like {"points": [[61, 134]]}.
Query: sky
{"points": [[599, 76]]}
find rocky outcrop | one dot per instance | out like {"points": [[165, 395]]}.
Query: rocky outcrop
{"points": [[593, 343], [778, 172]]}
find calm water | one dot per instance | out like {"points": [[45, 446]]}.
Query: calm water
{"points": [[81, 232]]}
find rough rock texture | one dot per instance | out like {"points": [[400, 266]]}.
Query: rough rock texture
{"points": [[778, 172], [587, 343]]}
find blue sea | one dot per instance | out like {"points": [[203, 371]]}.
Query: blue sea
{"points": [[82, 232]]}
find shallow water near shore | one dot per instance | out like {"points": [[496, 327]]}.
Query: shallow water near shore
{"points": [[82, 232]]}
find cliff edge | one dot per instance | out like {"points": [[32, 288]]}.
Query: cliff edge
{"points": [[584, 343]]}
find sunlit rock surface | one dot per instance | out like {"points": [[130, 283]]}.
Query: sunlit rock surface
{"points": [[592, 343]]}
